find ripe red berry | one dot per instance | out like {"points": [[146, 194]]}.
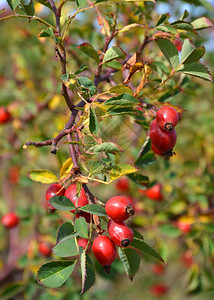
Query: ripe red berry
{"points": [[187, 259], [185, 227], [5, 115], [155, 192], [120, 233], [71, 192], [166, 154], [167, 118], [83, 214], [82, 242], [104, 251], [55, 189], [159, 290], [119, 208], [158, 269], [10, 220], [178, 44], [122, 185], [161, 139], [45, 248]]}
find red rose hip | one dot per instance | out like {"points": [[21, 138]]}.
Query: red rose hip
{"points": [[45, 249], [10, 220], [104, 251], [167, 118], [71, 192], [155, 192], [55, 189], [120, 233], [119, 208], [5, 115], [161, 139]]}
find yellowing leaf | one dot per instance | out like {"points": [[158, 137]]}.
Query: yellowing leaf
{"points": [[54, 102], [120, 170], [43, 176], [66, 168]]}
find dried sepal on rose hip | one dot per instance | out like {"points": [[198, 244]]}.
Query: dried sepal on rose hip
{"points": [[167, 118], [120, 233], [104, 251], [162, 140], [119, 208]]}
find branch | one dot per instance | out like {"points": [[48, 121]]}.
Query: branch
{"points": [[50, 142]]}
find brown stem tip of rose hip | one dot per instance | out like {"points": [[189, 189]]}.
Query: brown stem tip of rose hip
{"points": [[168, 127], [107, 269], [125, 242], [129, 210]]}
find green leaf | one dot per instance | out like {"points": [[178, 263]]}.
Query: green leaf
{"points": [[123, 110], [147, 159], [159, 65], [80, 70], [81, 3], [96, 167], [107, 147], [196, 69], [66, 245], [88, 271], [28, 6], [140, 180], [130, 260], [113, 53], [49, 33], [43, 176], [182, 25], [114, 64], [94, 209], [81, 226], [184, 15], [121, 88], [190, 53], [88, 86], [145, 148], [167, 28], [145, 248], [123, 99], [55, 273], [120, 170], [45, 3], [13, 4], [61, 203], [162, 19], [129, 27], [64, 230], [89, 50], [201, 23], [169, 51], [93, 122]]}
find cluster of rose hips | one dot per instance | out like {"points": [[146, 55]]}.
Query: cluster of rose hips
{"points": [[118, 209], [162, 133]]}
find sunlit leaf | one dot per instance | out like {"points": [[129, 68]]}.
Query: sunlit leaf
{"points": [[121, 170], [55, 273], [43, 176]]}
